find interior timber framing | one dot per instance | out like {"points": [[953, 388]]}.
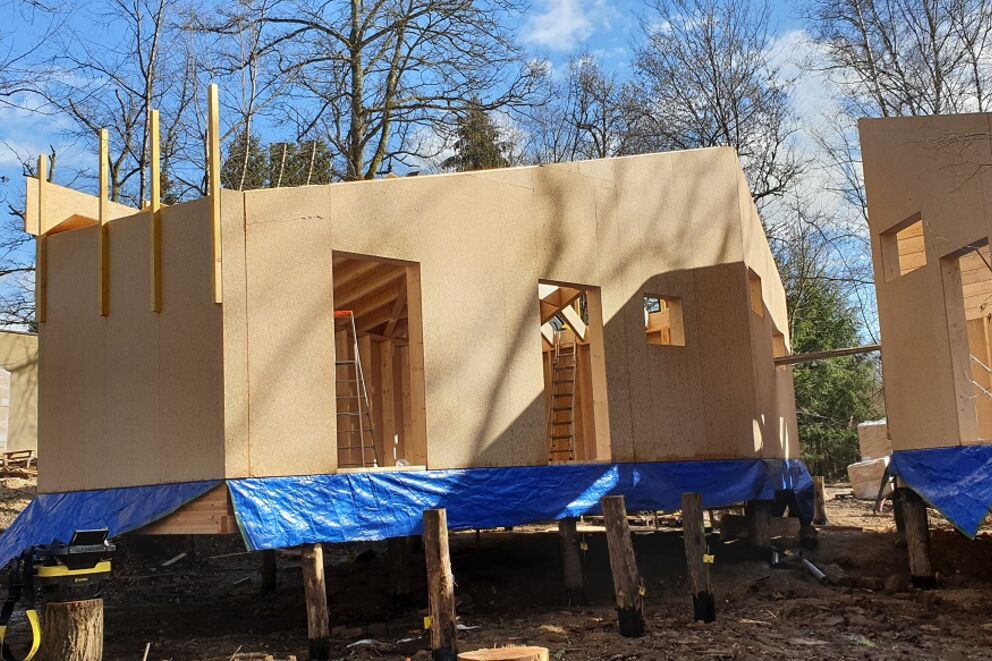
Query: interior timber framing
{"points": [[441, 273]]}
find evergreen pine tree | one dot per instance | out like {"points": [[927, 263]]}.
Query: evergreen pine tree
{"points": [[478, 144], [834, 395], [246, 166]]}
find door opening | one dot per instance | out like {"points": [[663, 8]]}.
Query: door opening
{"points": [[379, 363], [574, 373]]}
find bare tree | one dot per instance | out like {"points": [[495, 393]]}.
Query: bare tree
{"points": [[369, 74], [115, 83], [704, 79], [907, 57], [586, 117]]}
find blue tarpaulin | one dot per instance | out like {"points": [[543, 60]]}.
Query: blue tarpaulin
{"points": [[277, 512], [55, 516], [280, 512], [957, 481]]}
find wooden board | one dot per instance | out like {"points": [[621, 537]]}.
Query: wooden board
{"points": [[210, 514]]}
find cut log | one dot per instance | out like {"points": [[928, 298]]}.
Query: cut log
{"points": [[507, 654], [72, 631], [440, 586], [571, 562], [623, 563], [696, 554], [318, 616], [819, 502], [917, 530]]}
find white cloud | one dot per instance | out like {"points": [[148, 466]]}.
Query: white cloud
{"points": [[562, 25]]}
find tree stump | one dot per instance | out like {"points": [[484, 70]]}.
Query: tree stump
{"points": [[506, 654], [623, 564], [72, 631]]}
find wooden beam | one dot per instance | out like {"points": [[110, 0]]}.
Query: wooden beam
{"points": [[440, 586], [415, 443], [627, 583], [213, 168], [104, 229], [155, 222], [387, 405], [548, 333], [397, 312], [374, 318], [366, 285], [380, 298], [574, 321], [697, 557], [210, 514], [555, 298], [821, 355], [349, 270], [41, 246]]}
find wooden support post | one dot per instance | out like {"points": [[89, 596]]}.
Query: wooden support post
{"points": [[819, 502], [398, 552], [571, 562], [758, 516], [41, 244], [155, 222], [213, 171], [917, 528], [697, 557], [268, 571], [72, 631], [440, 586], [104, 219], [318, 615], [623, 563]]}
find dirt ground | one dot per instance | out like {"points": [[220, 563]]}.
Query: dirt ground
{"points": [[208, 604]]}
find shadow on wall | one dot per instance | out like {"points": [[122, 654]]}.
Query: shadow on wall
{"points": [[665, 402]]}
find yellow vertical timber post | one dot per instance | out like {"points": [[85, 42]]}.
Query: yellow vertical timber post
{"points": [[155, 223], [213, 165], [41, 258], [104, 217]]}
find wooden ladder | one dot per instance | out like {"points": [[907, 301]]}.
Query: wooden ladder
{"points": [[561, 416], [355, 433]]}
